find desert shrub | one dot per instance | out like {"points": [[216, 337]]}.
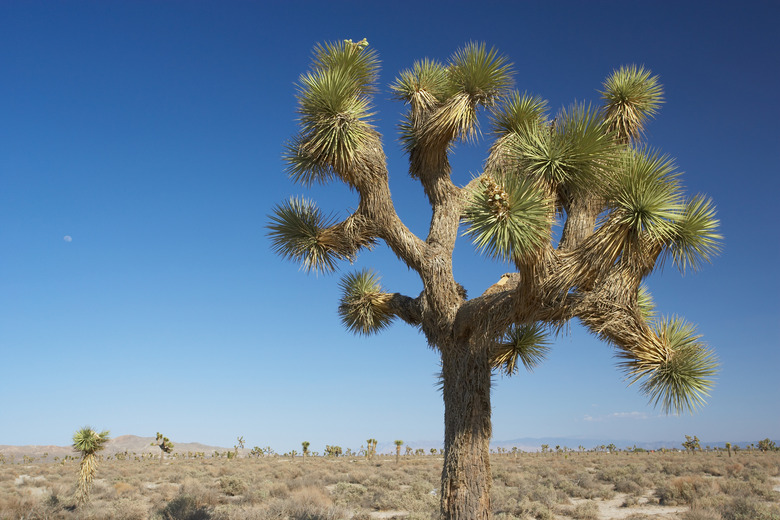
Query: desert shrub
{"points": [[279, 489], [545, 495], [734, 469], [704, 513], [232, 486], [123, 488], [628, 486], [205, 495], [586, 511], [748, 508], [503, 499], [305, 504], [128, 509], [683, 490], [505, 516], [346, 493], [630, 501], [184, 507]]}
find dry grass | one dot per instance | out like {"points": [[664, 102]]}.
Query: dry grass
{"points": [[588, 486]]}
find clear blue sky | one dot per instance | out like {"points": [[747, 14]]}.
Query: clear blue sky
{"points": [[151, 134]]}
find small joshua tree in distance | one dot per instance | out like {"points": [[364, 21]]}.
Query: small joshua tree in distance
{"points": [[691, 443], [240, 444], [305, 445], [165, 444], [88, 442], [398, 444]]}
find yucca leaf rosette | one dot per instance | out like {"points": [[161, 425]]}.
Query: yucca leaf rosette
{"points": [[476, 76], [631, 97], [696, 238], [364, 305], [508, 217], [522, 344], [677, 375], [571, 154], [334, 104], [299, 232]]}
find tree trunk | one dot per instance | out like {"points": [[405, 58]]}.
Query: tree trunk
{"points": [[465, 493]]}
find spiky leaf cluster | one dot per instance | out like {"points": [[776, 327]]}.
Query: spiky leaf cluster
{"points": [[298, 232], [444, 100], [631, 97], [334, 103], [519, 114], [696, 238], [426, 84], [481, 73], [526, 344], [573, 153], [646, 201], [87, 441], [646, 304], [682, 376], [508, 217], [364, 306]]}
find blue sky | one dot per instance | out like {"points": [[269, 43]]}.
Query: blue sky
{"points": [[151, 133]]}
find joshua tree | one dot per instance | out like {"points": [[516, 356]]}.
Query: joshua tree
{"points": [[398, 444], [691, 444], [728, 448], [88, 442], [240, 444], [333, 451], [370, 448], [305, 445], [767, 445], [618, 205], [165, 444]]}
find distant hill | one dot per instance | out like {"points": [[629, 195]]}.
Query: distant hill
{"points": [[129, 443]]}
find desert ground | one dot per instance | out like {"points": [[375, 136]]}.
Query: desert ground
{"points": [[574, 485]]}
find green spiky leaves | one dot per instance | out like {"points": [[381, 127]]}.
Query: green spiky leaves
{"points": [[508, 217], [426, 83], [631, 97], [573, 152], [681, 376], [481, 73], [647, 195], [364, 306], [522, 344], [651, 216], [88, 441], [519, 114], [334, 101], [644, 301], [696, 239], [475, 76], [300, 232]]}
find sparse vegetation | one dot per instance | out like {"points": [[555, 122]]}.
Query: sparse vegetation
{"points": [[590, 485]]}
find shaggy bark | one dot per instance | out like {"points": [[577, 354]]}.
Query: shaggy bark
{"points": [[466, 479]]}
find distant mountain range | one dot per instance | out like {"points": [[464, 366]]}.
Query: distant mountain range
{"points": [[530, 444], [128, 443], [138, 445]]}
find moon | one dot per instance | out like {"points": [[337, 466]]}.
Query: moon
{"points": [[67, 238]]}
